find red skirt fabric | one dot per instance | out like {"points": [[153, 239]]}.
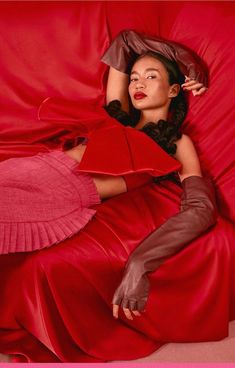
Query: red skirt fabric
{"points": [[44, 200], [63, 311]]}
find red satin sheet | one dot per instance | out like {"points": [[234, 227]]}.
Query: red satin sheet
{"points": [[56, 303]]}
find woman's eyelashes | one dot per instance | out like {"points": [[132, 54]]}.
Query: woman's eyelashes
{"points": [[151, 76], [134, 79]]}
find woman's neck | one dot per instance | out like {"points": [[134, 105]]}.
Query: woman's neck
{"points": [[154, 116]]}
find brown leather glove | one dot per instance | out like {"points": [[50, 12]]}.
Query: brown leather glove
{"points": [[129, 44], [198, 211]]}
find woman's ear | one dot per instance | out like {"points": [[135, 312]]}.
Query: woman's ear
{"points": [[174, 90]]}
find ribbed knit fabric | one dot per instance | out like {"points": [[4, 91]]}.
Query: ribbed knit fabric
{"points": [[43, 201]]}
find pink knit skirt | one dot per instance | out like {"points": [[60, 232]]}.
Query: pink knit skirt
{"points": [[43, 201]]}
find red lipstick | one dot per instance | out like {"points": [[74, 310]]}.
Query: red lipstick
{"points": [[139, 95]]}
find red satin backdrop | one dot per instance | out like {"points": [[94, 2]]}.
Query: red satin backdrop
{"points": [[56, 303], [47, 49]]}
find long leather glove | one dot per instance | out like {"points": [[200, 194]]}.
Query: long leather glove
{"points": [[128, 44], [198, 211]]}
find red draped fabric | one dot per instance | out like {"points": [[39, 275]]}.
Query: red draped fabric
{"points": [[56, 303]]}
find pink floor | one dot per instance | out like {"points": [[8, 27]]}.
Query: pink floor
{"points": [[219, 351]]}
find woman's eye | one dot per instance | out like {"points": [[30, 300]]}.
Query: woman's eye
{"points": [[148, 77]]}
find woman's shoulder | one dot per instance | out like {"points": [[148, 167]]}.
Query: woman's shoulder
{"points": [[184, 139], [184, 145]]}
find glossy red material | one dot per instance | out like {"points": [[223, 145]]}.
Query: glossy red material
{"points": [[129, 150], [56, 303]]}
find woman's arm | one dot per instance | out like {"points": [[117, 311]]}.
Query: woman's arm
{"points": [[117, 88], [128, 44], [186, 154], [198, 211]]}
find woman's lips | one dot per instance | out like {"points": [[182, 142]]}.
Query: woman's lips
{"points": [[139, 95]]}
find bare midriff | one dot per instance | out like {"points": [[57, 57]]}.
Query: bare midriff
{"points": [[107, 185]]}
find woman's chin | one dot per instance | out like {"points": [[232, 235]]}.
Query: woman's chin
{"points": [[139, 104]]}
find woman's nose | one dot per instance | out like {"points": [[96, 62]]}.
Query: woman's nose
{"points": [[140, 84]]}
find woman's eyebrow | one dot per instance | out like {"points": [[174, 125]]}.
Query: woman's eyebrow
{"points": [[146, 70]]}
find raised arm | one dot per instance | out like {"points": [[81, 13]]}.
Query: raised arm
{"points": [[198, 211], [117, 88], [128, 44]]}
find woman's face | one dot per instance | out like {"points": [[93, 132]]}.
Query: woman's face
{"points": [[149, 86]]}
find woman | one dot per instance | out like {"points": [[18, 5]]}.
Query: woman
{"points": [[138, 83], [152, 89], [155, 93]]}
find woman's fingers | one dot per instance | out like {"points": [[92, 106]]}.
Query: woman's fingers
{"points": [[115, 310], [194, 86], [199, 92], [126, 311], [136, 313], [128, 314], [190, 82]]}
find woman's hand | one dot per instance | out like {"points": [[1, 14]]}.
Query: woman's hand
{"points": [[132, 293], [126, 311], [192, 85]]}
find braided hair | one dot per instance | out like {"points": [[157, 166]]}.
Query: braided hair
{"points": [[163, 132]]}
